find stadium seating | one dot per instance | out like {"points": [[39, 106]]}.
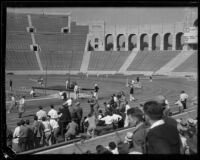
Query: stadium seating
{"points": [[49, 23], [18, 41], [79, 29], [21, 60], [190, 65], [17, 22], [107, 60], [151, 60], [60, 51]]}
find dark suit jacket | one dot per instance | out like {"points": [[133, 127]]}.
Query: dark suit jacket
{"points": [[163, 139], [66, 116]]}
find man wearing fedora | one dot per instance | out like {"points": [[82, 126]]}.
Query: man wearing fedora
{"points": [[162, 138]]}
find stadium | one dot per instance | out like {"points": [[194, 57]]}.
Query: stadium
{"points": [[53, 47]]}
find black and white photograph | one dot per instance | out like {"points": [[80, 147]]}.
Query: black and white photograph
{"points": [[101, 80]]}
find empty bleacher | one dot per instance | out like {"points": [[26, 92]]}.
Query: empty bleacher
{"points": [[151, 60], [16, 22], [18, 41], [190, 65], [49, 23], [21, 60], [79, 29], [107, 60], [60, 51]]}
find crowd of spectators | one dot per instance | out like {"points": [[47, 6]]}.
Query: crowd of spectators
{"points": [[154, 131]]}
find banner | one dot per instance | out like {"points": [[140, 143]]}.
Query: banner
{"points": [[190, 35]]}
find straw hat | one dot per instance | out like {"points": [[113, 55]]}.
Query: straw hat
{"points": [[129, 136]]}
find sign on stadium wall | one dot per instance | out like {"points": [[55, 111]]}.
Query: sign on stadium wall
{"points": [[190, 35]]}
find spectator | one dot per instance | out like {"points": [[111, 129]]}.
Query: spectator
{"points": [[165, 105], [183, 99], [38, 128], [96, 90], [112, 147], [164, 102], [72, 130], [56, 129], [15, 142], [47, 131], [21, 107], [79, 112], [129, 140], [68, 102], [161, 137], [9, 137], [32, 93], [23, 136], [123, 148], [30, 135], [182, 128], [10, 84], [102, 150], [53, 113], [127, 106], [100, 114], [13, 103], [41, 113], [180, 106], [91, 125], [131, 93], [76, 91], [135, 116], [64, 119], [116, 119]]}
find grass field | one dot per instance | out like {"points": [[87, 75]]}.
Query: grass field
{"points": [[169, 87]]}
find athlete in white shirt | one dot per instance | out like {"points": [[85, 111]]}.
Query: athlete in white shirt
{"points": [[41, 113], [53, 113]]}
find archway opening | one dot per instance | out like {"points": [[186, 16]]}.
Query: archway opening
{"points": [[120, 42], [179, 41], [168, 41], [144, 42], [109, 42], [132, 42], [156, 41]]}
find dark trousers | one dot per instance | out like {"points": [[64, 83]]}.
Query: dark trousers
{"points": [[37, 142], [63, 126], [20, 114], [55, 135], [184, 104], [23, 143]]}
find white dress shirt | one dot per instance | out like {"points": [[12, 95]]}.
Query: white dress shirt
{"points": [[53, 123], [157, 123], [107, 119], [16, 135], [41, 114], [53, 113]]}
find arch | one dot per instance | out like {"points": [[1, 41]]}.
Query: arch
{"points": [[132, 42], [179, 41], [109, 42], [121, 42], [155, 41], [144, 42], [167, 41]]}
